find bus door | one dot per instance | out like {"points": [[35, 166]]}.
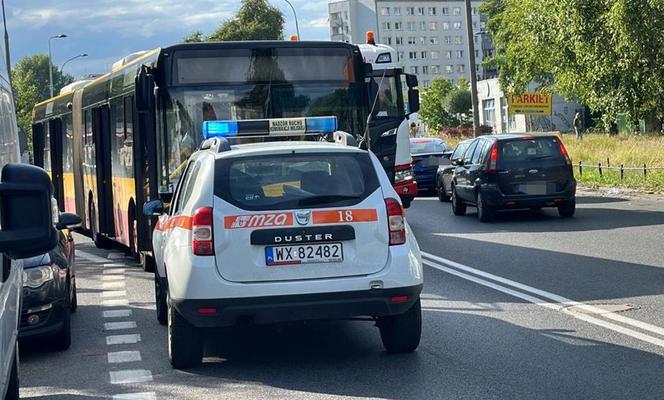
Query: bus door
{"points": [[38, 144], [55, 139], [101, 128]]}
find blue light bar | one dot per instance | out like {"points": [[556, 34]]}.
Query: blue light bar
{"points": [[220, 128], [270, 127]]}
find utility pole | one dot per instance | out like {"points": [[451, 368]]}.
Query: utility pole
{"points": [[50, 61], [473, 69]]}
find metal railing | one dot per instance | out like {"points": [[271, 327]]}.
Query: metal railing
{"points": [[645, 170]]}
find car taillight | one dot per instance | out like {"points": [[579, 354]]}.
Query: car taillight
{"points": [[493, 159], [396, 222], [202, 242], [565, 154], [403, 173]]}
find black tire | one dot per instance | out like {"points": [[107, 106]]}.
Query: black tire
{"points": [[406, 201], [147, 262], [133, 236], [458, 206], [401, 333], [185, 344], [97, 238], [160, 301], [568, 209], [13, 384], [62, 339], [440, 191], [485, 213], [74, 297]]}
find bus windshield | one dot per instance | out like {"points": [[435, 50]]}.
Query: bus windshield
{"points": [[186, 108]]}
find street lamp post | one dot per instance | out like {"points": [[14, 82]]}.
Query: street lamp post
{"points": [[473, 70], [7, 60], [72, 59], [297, 27], [50, 63]]}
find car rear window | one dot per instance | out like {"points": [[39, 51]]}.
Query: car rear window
{"points": [[527, 150], [428, 146], [292, 181]]}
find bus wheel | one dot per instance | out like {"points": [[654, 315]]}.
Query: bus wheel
{"points": [[133, 236], [97, 238]]}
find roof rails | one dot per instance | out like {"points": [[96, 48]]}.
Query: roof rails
{"points": [[216, 144]]}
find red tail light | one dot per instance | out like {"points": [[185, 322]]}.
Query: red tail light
{"points": [[493, 159], [396, 222], [202, 242], [565, 154]]}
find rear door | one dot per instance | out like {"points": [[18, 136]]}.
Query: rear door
{"points": [[532, 166], [463, 183], [299, 215]]}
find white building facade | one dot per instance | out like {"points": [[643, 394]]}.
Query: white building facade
{"points": [[494, 112], [350, 20]]}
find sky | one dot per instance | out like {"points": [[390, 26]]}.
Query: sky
{"points": [[108, 30]]}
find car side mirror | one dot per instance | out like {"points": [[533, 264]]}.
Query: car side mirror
{"points": [[457, 162], [26, 220], [68, 221], [153, 208]]}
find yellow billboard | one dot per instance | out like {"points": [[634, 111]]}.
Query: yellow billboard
{"points": [[530, 103]]}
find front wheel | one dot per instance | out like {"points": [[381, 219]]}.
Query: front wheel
{"points": [[62, 339], [185, 343], [568, 209], [401, 333], [160, 300], [12, 386], [458, 206]]}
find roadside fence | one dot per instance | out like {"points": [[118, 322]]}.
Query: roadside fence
{"points": [[622, 169]]}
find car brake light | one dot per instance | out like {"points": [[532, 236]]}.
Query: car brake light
{"points": [[202, 242], [565, 154], [396, 222], [493, 159]]}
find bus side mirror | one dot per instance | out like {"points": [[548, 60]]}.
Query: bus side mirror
{"points": [[144, 90], [411, 81], [26, 222], [413, 100]]}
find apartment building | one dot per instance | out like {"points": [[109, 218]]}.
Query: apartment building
{"points": [[351, 19]]}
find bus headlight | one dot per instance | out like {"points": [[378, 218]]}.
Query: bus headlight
{"points": [[37, 276]]}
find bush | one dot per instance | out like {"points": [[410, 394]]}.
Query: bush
{"points": [[458, 132], [486, 130]]}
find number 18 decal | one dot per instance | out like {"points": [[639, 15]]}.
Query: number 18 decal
{"points": [[344, 216]]}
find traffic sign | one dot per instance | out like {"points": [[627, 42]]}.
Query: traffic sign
{"points": [[530, 103]]}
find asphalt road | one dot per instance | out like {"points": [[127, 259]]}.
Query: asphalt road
{"points": [[528, 307]]}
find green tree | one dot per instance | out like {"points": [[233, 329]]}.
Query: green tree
{"points": [[256, 20], [605, 53], [433, 108], [31, 86], [459, 101]]}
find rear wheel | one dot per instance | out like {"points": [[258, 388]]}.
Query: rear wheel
{"points": [[568, 209], [147, 262], [160, 300], [485, 213], [62, 339], [458, 206], [12, 385], [133, 235], [401, 333], [97, 238], [185, 344], [440, 191]]}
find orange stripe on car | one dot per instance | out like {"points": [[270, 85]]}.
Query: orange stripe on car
{"points": [[181, 221], [348, 215]]}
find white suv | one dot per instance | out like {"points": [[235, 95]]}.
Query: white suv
{"points": [[283, 231]]}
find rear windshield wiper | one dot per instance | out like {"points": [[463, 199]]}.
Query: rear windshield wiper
{"points": [[326, 198], [540, 157]]}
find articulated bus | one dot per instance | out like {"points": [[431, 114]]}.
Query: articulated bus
{"points": [[115, 142]]}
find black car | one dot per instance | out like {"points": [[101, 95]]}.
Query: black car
{"points": [[49, 289], [428, 154], [503, 172], [446, 172]]}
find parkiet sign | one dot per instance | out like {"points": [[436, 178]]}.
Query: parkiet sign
{"points": [[530, 103]]}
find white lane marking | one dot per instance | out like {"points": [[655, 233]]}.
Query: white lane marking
{"points": [[115, 302], [117, 357], [113, 285], [113, 264], [115, 256], [130, 376], [115, 326], [552, 296], [123, 339], [114, 293], [90, 257], [551, 306], [116, 313], [108, 278], [136, 396], [112, 271]]}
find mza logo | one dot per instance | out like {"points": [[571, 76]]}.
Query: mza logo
{"points": [[258, 220]]}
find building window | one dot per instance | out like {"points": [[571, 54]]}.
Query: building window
{"points": [[386, 26], [457, 10], [397, 10], [426, 83], [398, 40], [435, 55], [474, 10], [446, 26], [459, 53], [411, 26], [433, 26], [433, 40], [435, 69], [432, 10], [457, 26], [384, 11], [413, 70], [420, 10], [447, 39], [503, 114], [400, 56], [412, 55], [489, 112], [449, 69], [397, 26], [445, 11], [448, 54], [423, 40], [423, 25], [460, 68], [423, 54], [458, 40], [425, 69], [477, 54], [410, 10], [411, 40], [389, 40]]}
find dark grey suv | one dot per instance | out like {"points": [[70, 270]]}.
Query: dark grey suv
{"points": [[505, 172]]}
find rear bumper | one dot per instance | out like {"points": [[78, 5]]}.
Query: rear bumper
{"points": [[496, 199], [426, 182], [290, 308], [407, 188]]}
